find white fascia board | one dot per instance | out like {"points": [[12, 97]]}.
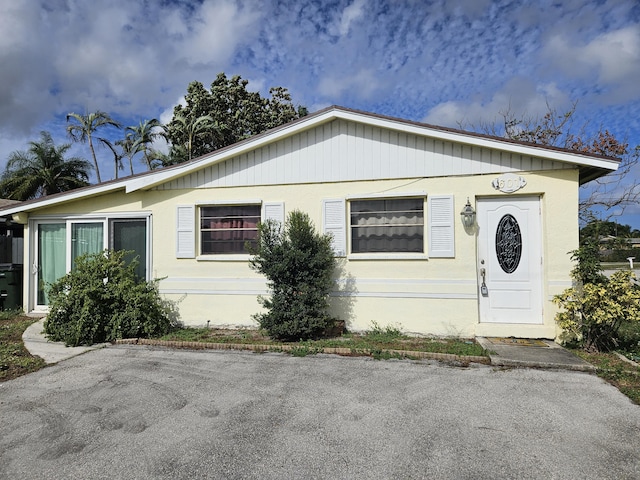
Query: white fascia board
{"points": [[459, 137], [61, 198]]}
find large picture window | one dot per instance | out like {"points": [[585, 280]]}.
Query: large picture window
{"points": [[387, 225], [225, 229]]}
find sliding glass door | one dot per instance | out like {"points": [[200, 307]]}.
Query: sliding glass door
{"points": [[58, 243], [131, 235]]}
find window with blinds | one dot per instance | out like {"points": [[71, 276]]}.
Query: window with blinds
{"points": [[387, 225], [225, 229]]}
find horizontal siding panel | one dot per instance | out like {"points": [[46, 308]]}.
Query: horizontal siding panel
{"points": [[347, 151]]}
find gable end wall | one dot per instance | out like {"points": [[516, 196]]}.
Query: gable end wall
{"points": [[348, 151]]}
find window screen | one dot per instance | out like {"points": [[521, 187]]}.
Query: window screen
{"points": [[390, 225], [225, 229]]}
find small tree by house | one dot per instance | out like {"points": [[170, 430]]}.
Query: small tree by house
{"points": [[596, 308], [226, 113], [298, 263]]}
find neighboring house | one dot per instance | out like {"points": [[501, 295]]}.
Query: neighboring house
{"points": [[390, 191], [11, 241]]}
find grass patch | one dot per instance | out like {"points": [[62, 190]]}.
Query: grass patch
{"points": [[378, 342], [623, 375], [304, 350], [15, 360]]}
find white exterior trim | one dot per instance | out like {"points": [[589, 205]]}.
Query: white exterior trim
{"points": [[391, 194], [62, 198], [387, 256], [213, 203]]}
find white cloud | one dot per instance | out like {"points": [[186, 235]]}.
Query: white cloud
{"points": [[120, 56], [216, 30], [349, 15], [363, 84], [472, 8], [14, 34], [612, 59], [519, 96]]}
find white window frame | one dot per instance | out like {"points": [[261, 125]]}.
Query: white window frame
{"points": [[388, 255], [69, 220], [276, 209]]}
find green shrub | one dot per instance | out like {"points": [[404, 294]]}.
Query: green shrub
{"points": [[298, 263], [594, 312], [620, 254], [629, 337], [386, 334], [588, 268], [102, 299]]}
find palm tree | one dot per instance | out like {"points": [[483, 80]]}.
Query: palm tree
{"points": [[43, 170], [117, 155], [143, 136], [85, 126], [192, 128], [129, 148], [158, 159]]}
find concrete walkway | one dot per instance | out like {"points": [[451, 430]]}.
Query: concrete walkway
{"points": [[513, 352], [504, 352], [51, 352]]}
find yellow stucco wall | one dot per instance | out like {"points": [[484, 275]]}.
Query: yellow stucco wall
{"points": [[428, 296]]}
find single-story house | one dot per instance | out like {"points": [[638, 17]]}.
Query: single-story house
{"points": [[437, 230]]}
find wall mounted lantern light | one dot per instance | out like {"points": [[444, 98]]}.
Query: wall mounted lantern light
{"points": [[468, 215]]}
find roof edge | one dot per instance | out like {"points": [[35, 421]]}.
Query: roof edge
{"points": [[595, 165]]}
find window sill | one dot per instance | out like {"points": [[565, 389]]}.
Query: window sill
{"points": [[387, 256], [239, 257]]}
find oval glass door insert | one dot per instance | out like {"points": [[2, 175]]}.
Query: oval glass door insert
{"points": [[508, 243]]}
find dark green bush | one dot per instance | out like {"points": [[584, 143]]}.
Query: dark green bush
{"points": [[102, 299], [588, 268], [298, 263], [621, 255]]}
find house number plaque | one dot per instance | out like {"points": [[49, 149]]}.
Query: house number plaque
{"points": [[508, 183]]}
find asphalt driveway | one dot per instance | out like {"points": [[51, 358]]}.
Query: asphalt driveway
{"points": [[141, 412]]}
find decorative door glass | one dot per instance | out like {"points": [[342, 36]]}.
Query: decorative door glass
{"points": [[508, 243]]}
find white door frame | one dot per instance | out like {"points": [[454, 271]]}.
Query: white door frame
{"points": [[105, 219], [510, 289]]}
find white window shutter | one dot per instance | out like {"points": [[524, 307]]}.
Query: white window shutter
{"points": [[273, 211], [185, 228], [334, 222], [441, 220]]}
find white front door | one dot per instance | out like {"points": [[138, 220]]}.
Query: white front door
{"points": [[509, 260]]}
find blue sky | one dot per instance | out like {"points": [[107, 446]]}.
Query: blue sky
{"points": [[442, 62]]}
